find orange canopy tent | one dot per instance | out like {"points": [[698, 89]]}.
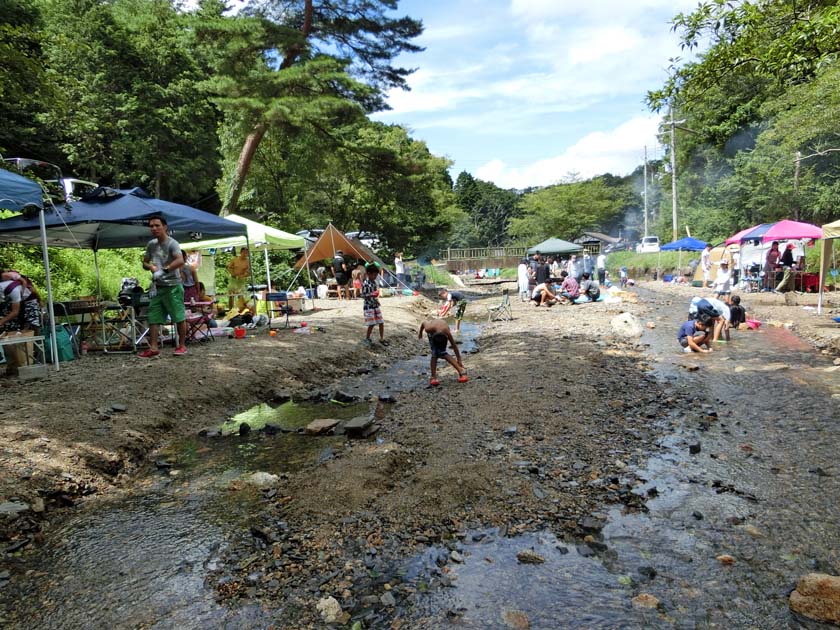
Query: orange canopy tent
{"points": [[331, 241]]}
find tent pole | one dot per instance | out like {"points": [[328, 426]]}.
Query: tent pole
{"points": [[99, 298], [823, 265], [48, 280], [251, 270], [267, 269]]}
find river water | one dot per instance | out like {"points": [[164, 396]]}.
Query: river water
{"points": [[763, 488]]}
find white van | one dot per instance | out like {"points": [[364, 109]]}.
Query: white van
{"points": [[648, 245]]}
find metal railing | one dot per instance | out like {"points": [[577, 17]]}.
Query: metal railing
{"points": [[470, 253]]}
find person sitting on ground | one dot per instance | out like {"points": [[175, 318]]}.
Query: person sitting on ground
{"points": [[440, 338], [456, 300], [569, 287], [723, 282], [737, 313], [589, 288], [543, 295], [693, 335]]}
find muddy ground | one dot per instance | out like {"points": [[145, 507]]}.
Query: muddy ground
{"points": [[557, 408]]}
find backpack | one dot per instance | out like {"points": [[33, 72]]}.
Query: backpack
{"points": [[593, 292]]}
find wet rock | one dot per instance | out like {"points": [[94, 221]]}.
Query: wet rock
{"points": [[118, 407], [817, 596], [388, 600], [38, 505], [329, 609], [13, 507], [244, 429], [359, 426], [645, 600], [262, 479], [585, 551], [344, 397], [456, 557], [647, 572], [591, 524], [516, 620], [387, 398], [18, 545], [694, 448], [527, 556], [5, 575], [320, 426], [325, 455], [510, 431], [280, 396], [697, 515], [626, 325]]}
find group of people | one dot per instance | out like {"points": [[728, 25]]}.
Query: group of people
{"points": [[20, 312], [546, 282], [777, 270], [710, 321]]}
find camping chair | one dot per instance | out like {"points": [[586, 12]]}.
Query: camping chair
{"points": [[198, 325], [278, 308], [503, 311]]}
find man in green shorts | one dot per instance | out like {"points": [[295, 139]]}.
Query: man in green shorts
{"points": [[163, 258]]}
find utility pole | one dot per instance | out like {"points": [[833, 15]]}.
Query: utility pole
{"points": [[673, 176], [796, 186], [673, 125], [645, 172]]}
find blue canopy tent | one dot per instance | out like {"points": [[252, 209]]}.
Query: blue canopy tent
{"points": [[112, 219], [685, 244], [21, 194], [18, 192]]}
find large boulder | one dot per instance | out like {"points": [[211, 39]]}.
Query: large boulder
{"points": [[626, 325], [817, 596]]}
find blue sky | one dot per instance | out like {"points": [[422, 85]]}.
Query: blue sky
{"points": [[525, 92]]}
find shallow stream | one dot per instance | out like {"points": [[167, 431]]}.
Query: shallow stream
{"points": [[763, 488]]}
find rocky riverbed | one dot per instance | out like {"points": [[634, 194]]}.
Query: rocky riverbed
{"points": [[560, 416]]}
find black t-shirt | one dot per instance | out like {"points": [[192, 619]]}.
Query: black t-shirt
{"points": [[737, 314], [456, 296], [338, 267], [542, 273]]}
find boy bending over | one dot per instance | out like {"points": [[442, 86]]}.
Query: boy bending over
{"points": [[439, 338]]}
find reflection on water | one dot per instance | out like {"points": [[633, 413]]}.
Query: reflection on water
{"points": [[139, 560], [292, 415], [763, 489]]}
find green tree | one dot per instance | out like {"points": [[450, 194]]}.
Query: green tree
{"points": [[488, 211], [292, 62]]}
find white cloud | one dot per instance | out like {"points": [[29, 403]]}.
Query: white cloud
{"points": [[595, 10], [617, 151]]}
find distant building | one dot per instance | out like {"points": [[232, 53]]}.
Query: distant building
{"points": [[596, 242]]}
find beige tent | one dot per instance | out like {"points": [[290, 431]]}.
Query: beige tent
{"points": [[331, 241], [830, 232]]}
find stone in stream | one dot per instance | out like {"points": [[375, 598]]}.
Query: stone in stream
{"points": [[244, 429], [13, 507], [626, 325], [262, 479], [645, 600], [387, 398], [343, 397], [359, 426], [320, 426], [591, 524], [527, 556], [329, 609], [516, 620], [817, 596], [388, 600], [694, 448], [119, 407]]}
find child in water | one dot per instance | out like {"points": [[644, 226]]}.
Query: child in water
{"points": [[440, 337]]}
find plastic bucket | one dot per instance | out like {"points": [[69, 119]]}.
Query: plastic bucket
{"points": [[322, 291], [239, 333], [310, 294]]}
